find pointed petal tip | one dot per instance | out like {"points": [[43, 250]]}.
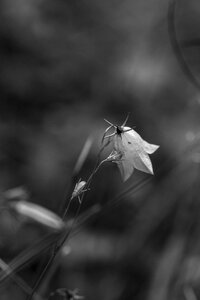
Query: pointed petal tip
{"points": [[125, 176], [155, 147], [124, 179], [150, 148]]}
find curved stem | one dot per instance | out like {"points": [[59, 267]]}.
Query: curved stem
{"points": [[175, 44]]}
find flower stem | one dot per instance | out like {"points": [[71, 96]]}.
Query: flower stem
{"points": [[58, 245]]}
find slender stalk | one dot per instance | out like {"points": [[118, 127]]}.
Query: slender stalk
{"points": [[18, 280], [58, 245], [27, 255]]}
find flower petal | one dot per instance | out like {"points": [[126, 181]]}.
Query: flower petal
{"points": [[143, 163], [149, 148], [126, 169]]}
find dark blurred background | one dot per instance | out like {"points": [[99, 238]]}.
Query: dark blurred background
{"points": [[65, 66]]}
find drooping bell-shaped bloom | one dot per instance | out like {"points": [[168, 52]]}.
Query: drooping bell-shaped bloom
{"points": [[135, 151], [131, 150]]}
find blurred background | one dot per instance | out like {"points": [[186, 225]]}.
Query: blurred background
{"points": [[65, 66]]}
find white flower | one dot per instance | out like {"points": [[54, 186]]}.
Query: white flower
{"points": [[133, 149]]}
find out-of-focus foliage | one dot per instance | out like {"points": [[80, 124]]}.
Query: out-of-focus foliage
{"points": [[65, 66]]}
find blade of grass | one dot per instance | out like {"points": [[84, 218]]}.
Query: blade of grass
{"points": [[18, 280], [29, 254]]}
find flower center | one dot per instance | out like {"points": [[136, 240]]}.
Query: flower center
{"points": [[119, 130]]}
